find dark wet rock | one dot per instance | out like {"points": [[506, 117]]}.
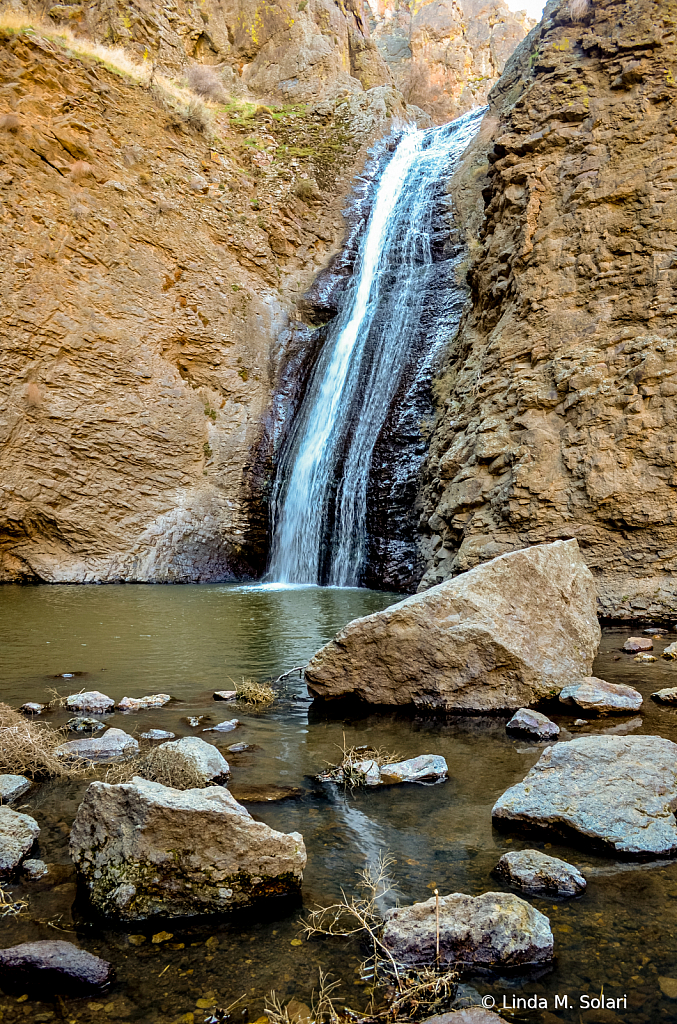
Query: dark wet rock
{"points": [[533, 723], [33, 708], [670, 652], [616, 792], [536, 872], [500, 636], [142, 850], [666, 696], [18, 832], [12, 787], [81, 724], [200, 757], [496, 928], [594, 694], [112, 745], [263, 794], [225, 694], [638, 643], [655, 631], [155, 700], [239, 748], [54, 965], [645, 658], [226, 726], [158, 734], [92, 702], [34, 869]]}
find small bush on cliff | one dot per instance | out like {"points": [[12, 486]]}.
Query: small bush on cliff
{"points": [[204, 81]]}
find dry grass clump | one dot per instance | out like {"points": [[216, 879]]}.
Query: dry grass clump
{"points": [[165, 765], [10, 122], [80, 170], [203, 80], [27, 748], [350, 771], [578, 9], [249, 691]]}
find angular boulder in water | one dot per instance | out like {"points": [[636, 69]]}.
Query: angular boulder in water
{"points": [[201, 758], [497, 929], [532, 723], [594, 694], [144, 850], [53, 965], [155, 700], [92, 702], [537, 873], [668, 695], [501, 636], [617, 793], [114, 743], [18, 832]]}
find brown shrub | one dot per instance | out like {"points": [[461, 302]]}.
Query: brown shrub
{"points": [[578, 9], [27, 748], [10, 122], [204, 81], [165, 765]]}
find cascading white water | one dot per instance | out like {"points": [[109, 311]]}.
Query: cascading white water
{"points": [[320, 499]]}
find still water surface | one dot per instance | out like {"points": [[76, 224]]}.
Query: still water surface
{"points": [[189, 640]]}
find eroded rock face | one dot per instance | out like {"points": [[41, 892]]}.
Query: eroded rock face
{"points": [[495, 928], [503, 635], [557, 401], [616, 793], [536, 872], [143, 850], [594, 694], [54, 965]]}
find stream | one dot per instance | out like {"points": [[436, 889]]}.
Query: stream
{"points": [[131, 640]]}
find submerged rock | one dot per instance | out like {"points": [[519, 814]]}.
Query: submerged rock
{"points": [[594, 694], [200, 757], [666, 696], [533, 723], [225, 694], [617, 792], [496, 928], [645, 658], [638, 643], [12, 787], [81, 724], [500, 636], [32, 708], [239, 748], [196, 720], [158, 734], [54, 965], [113, 744], [142, 850], [18, 832], [226, 726], [91, 702], [34, 869], [156, 700], [536, 872], [670, 652], [263, 794]]}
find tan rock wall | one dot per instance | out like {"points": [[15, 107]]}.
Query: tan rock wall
{"points": [[557, 413], [147, 268]]}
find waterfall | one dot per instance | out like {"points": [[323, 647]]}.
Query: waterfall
{"points": [[320, 495]]}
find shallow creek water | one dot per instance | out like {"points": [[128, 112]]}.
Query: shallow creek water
{"points": [[189, 640]]}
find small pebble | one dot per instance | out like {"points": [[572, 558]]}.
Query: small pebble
{"points": [[162, 937], [581, 721], [136, 940]]}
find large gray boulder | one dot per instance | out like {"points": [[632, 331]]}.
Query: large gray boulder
{"points": [[597, 695], [144, 850], [18, 832], [616, 792], [54, 965], [496, 928], [537, 873], [199, 757], [113, 745], [501, 636]]}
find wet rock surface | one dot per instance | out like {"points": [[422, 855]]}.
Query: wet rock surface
{"points": [[503, 635], [114, 744], [155, 700], [91, 702], [18, 832], [200, 757], [33, 708], [54, 965], [142, 849], [668, 695], [594, 694], [158, 734], [533, 723], [495, 928], [226, 726], [12, 787], [670, 652], [82, 724], [536, 872], [616, 793], [34, 869], [638, 643], [225, 694]]}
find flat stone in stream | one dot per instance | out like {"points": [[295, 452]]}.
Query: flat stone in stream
{"points": [[53, 965], [225, 694], [12, 787], [503, 635], [81, 724], [92, 702], [144, 850], [614, 792], [155, 700], [226, 726], [638, 643], [594, 694], [533, 723], [112, 745], [18, 832], [496, 928], [32, 708], [199, 757], [666, 696], [158, 734], [537, 873]]}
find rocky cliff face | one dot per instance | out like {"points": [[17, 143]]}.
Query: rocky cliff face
{"points": [[446, 55], [152, 251], [558, 408]]}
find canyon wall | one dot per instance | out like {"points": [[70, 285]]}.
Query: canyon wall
{"points": [[152, 254], [557, 410]]}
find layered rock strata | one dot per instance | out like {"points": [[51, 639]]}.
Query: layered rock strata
{"points": [[557, 414]]}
